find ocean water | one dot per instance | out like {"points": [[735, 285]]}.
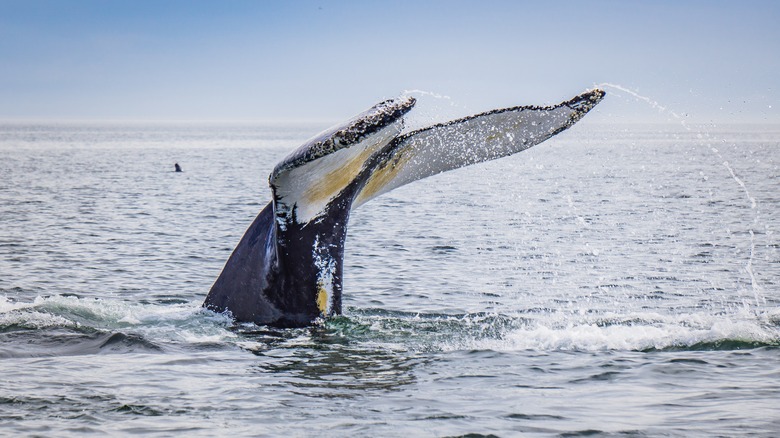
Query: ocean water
{"points": [[615, 280]]}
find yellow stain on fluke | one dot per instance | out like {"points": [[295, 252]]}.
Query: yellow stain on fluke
{"points": [[322, 299], [383, 176], [336, 180]]}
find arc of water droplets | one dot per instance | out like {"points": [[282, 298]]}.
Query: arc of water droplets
{"points": [[749, 267], [425, 93], [426, 114]]}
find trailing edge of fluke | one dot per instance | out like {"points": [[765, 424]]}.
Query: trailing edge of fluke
{"points": [[287, 269]]}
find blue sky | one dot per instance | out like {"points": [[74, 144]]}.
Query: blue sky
{"points": [[326, 60]]}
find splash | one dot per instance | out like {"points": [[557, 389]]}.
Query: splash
{"points": [[80, 322], [431, 108], [755, 286], [558, 331], [66, 325], [427, 93], [642, 332], [655, 105]]}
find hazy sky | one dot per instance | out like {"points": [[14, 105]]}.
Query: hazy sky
{"points": [[255, 60]]}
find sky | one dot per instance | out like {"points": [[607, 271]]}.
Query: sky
{"points": [[707, 61]]}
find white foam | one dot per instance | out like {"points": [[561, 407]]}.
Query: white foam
{"points": [[157, 322], [632, 332]]}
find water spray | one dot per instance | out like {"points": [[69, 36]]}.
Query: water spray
{"points": [[756, 287]]}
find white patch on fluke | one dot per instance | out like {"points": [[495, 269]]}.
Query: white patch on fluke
{"points": [[326, 270], [310, 187]]}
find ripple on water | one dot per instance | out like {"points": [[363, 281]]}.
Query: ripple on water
{"points": [[586, 296]]}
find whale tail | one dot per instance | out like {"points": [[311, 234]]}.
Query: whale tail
{"points": [[287, 269]]}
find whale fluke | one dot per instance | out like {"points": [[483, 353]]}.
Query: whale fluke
{"points": [[287, 269]]}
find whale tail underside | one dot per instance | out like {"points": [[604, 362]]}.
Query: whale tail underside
{"points": [[287, 269]]}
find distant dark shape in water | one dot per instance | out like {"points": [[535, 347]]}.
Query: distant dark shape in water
{"points": [[177, 167], [287, 269]]}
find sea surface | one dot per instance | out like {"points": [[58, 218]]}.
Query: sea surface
{"points": [[615, 280]]}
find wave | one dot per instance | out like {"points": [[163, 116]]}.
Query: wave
{"points": [[682, 332], [561, 331], [70, 325], [63, 325]]}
